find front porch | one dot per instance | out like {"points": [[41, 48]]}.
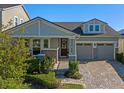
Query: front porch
{"points": [[58, 48], [44, 37]]}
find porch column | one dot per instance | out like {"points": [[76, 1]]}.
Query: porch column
{"points": [[31, 46], [72, 50]]}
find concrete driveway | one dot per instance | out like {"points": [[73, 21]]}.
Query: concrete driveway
{"points": [[102, 74]]}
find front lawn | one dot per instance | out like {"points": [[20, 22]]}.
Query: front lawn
{"points": [[71, 86]]}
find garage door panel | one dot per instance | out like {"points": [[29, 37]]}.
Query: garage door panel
{"points": [[105, 52], [84, 52]]}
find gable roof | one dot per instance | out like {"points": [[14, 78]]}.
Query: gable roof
{"points": [[41, 19], [78, 28], [7, 6], [95, 19]]}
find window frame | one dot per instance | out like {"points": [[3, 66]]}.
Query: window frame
{"points": [[21, 20], [94, 28], [89, 27], [48, 43], [36, 47], [15, 20]]}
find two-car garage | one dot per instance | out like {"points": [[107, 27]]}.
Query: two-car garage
{"points": [[95, 51]]}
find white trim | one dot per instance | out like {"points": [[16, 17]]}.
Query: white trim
{"points": [[57, 55], [89, 28], [94, 31], [75, 51], [48, 43], [71, 55], [14, 20], [35, 36], [49, 49], [96, 41]]}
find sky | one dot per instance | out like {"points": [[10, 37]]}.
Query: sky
{"points": [[112, 14]]}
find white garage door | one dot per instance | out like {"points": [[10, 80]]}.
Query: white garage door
{"points": [[84, 51], [105, 51]]}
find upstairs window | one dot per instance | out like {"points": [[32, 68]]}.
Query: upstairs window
{"points": [[21, 21], [97, 28], [15, 20], [94, 28], [91, 27]]}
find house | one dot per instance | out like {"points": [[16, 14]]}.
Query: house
{"points": [[90, 40], [12, 15], [121, 31]]}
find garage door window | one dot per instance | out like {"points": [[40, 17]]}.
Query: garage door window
{"points": [[79, 44], [109, 44], [87, 44], [100, 44]]}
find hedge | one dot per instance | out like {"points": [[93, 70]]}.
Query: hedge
{"points": [[120, 57], [46, 80]]}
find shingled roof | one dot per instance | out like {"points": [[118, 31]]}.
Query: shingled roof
{"points": [[76, 27], [8, 5], [69, 25]]}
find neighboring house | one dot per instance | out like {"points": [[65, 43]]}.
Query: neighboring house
{"points": [[121, 41], [121, 31], [91, 40], [12, 15]]}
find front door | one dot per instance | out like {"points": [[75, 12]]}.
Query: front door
{"points": [[64, 50]]}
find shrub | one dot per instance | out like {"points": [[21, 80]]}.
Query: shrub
{"points": [[47, 80], [73, 71], [119, 56], [47, 64], [13, 54], [11, 83], [122, 60], [33, 66]]}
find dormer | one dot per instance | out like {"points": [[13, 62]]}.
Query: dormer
{"points": [[94, 26]]}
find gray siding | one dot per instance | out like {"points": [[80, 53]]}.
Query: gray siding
{"points": [[29, 30], [34, 29], [48, 30], [54, 43]]}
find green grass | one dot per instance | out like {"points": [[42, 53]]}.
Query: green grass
{"points": [[71, 86]]}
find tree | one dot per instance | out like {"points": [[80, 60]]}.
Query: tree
{"points": [[13, 54]]}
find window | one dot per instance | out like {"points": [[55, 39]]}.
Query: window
{"points": [[21, 21], [94, 27], [36, 46], [15, 20], [97, 28], [91, 27], [46, 43]]}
